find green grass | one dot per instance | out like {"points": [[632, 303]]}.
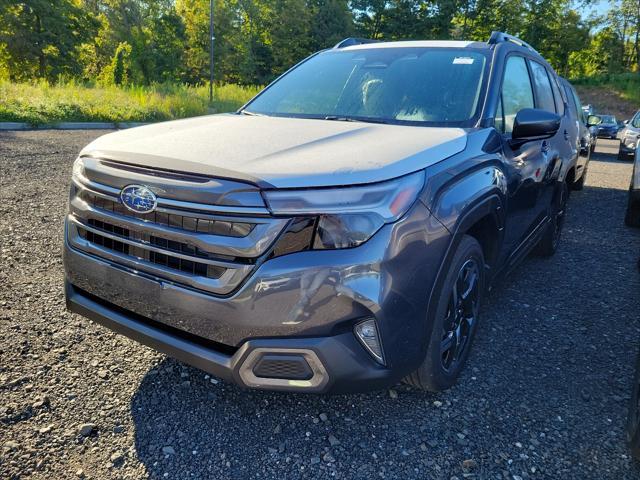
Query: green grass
{"points": [[40, 103], [627, 85]]}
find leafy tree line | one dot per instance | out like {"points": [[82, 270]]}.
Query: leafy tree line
{"points": [[153, 41]]}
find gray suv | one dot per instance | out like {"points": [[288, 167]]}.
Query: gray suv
{"points": [[338, 232]]}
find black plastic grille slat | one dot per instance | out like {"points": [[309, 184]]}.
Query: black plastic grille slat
{"points": [[165, 260]]}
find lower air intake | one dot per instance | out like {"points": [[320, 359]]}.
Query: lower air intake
{"points": [[283, 366]]}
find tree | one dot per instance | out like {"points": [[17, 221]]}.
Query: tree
{"points": [[256, 40], [331, 22], [40, 37], [289, 34]]}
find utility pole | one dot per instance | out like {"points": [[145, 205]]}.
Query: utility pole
{"points": [[211, 39]]}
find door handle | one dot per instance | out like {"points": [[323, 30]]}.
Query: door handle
{"points": [[545, 146], [566, 135]]}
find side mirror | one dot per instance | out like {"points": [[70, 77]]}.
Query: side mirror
{"points": [[533, 124]]}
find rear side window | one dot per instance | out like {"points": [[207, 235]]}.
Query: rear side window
{"points": [[572, 102], [544, 94], [516, 93], [581, 115]]}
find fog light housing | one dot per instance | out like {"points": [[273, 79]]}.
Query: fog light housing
{"points": [[367, 334]]}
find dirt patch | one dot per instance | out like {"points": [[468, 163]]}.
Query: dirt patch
{"points": [[606, 101]]}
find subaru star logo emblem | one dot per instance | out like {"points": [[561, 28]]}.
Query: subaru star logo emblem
{"points": [[139, 199]]}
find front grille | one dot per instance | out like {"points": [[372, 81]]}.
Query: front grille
{"points": [[192, 267], [188, 243], [178, 221]]}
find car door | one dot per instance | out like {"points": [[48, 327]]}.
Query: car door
{"points": [[559, 148], [526, 164], [584, 136]]}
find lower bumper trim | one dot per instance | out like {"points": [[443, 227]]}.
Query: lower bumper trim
{"points": [[338, 363]]}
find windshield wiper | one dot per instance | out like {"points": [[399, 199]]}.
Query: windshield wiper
{"points": [[339, 118], [251, 114]]}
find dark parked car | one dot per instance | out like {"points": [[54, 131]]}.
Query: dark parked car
{"points": [[337, 233], [632, 217], [607, 125], [630, 137], [584, 136]]}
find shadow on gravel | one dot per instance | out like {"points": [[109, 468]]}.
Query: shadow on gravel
{"points": [[238, 433], [544, 395]]}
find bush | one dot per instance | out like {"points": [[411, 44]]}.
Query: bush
{"points": [[42, 103], [625, 84]]}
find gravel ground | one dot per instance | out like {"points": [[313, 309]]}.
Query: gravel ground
{"points": [[544, 394]]}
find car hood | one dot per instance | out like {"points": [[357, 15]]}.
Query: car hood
{"points": [[281, 152]]}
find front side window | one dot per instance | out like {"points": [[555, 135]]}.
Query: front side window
{"points": [[413, 85], [544, 93], [516, 93], [558, 94]]}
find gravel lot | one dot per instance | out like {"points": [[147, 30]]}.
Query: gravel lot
{"points": [[544, 395]]}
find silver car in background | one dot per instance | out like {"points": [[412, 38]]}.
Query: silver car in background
{"points": [[630, 137]]}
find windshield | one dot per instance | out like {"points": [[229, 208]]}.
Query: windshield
{"points": [[389, 85], [635, 123], [608, 119]]}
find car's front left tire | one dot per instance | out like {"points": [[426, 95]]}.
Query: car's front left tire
{"points": [[632, 215], [579, 185], [551, 238], [633, 418], [455, 319]]}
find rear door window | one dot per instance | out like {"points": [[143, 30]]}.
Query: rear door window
{"points": [[544, 93], [581, 115], [572, 103]]}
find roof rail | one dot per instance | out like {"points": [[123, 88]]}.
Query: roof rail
{"points": [[348, 42], [497, 37]]}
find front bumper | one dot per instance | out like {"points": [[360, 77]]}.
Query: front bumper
{"points": [[342, 365], [306, 302]]}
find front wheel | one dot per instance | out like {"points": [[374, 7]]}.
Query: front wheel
{"points": [[633, 418], [632, 216], [456, 320], [579, 185], [551, 237]]}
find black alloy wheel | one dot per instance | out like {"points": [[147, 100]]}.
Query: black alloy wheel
{"points": [[461, 316]]}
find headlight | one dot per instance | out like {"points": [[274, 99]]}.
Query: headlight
{"points": [[348, 216], [78, 169]]}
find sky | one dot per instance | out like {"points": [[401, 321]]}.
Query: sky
{"points": [[599, 6]]}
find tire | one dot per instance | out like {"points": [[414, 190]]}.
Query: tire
{"points": [[632, 216], [579, 185], [551, 238], [440, 368], [633, 416]]}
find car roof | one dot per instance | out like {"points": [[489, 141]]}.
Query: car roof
{"points": [[418, 44]]}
